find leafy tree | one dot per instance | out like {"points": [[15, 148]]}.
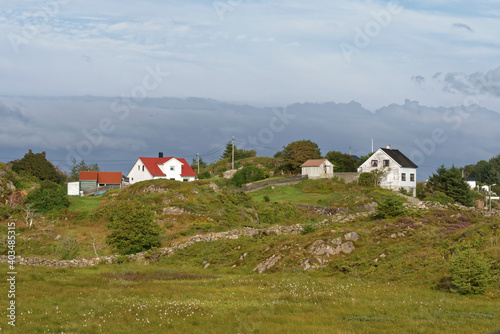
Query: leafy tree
{"points": [[342, 162], [450, 182], [366, 179], [49, 196], [470, 272], [133, 229], [81, 167], [36, 164], [391, 206], [249, 173], [239, 153], [298, 152]]}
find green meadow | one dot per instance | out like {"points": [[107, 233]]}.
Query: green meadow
{"points": [[158, 298]]}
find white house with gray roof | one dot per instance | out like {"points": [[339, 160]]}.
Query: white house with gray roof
{"points": [[399, 171]]}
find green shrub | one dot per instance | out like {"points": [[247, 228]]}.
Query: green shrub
{"points": [[249, 173], [470, 272], [67, 248], [440, 197], [121, 259], [132, 228], [309, 228], [366, 179], [391, 206], [267, 199], [49, 196]]}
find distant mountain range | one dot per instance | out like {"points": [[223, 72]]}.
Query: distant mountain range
{"points": [[114, 132]]}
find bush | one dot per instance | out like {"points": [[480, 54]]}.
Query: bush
{"points": [[366, 179], [132, 228], [309, 228], [67, 248], [267, 199], [249, 173], [49, 196], [440, 197], [470, 272], [391, 206]]}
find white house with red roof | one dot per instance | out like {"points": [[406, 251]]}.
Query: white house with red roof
{"points": [[170, 168]]}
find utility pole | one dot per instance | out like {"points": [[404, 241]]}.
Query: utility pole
{"points": [[198, 155], [350, 151], [232, 160], [372, 144], [490, 197]]}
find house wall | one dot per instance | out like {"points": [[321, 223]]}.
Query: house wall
{"points": [[137, 174], [317, 172], [174, 174]]}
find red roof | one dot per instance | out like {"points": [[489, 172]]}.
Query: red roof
{"points": [[153, 168], [101, 177], [313, 163], [109, 178], [88, 176]]}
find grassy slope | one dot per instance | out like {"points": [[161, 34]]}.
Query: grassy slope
{"points": [[321, 193]]}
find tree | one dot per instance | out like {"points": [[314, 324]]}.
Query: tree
{"points": [[239, 153], [450, 182], [391, 206], [298, 152], [342, 162], [36, 164], [133, 229], [49, 196], [81, 166], [194, 164]]}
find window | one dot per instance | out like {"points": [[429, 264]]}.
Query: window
{"points": [[374, 163], [403, 176], [172, 167], [185, 180], [143, 168], [138, 167], [386, 163], [172, 178], [412, 177]]}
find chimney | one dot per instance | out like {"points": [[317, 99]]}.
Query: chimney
{"points": [[160, 155], [388, 147]]}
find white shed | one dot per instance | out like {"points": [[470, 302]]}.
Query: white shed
{"points": [[317, 168]]}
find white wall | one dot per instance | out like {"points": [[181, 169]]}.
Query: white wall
{"points": [[174, 174], [137, 174], [74, 188]]}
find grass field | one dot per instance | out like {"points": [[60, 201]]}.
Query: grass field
{"points": [[320, 193], [158, 298]]}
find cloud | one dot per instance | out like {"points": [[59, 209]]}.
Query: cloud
{"points": [[462, 26], [12, 113], [471, 84], [418, 80]]}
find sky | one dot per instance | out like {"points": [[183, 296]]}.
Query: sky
{"points": [[260, 53]]}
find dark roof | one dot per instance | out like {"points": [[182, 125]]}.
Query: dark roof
{"points": [[400, 158], [471, 179]]}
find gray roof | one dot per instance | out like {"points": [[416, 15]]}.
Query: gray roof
{"points": [[400, 158]]}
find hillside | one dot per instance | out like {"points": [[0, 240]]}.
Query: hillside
{"points": [[230, 254]]}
